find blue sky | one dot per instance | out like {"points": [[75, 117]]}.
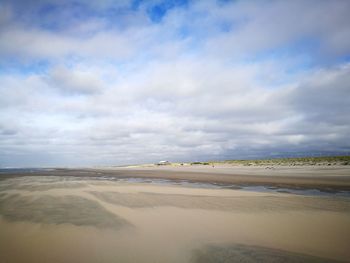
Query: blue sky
{"points": [[113, 82]]}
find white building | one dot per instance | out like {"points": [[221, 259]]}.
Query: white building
{"points": [[163, 162]]}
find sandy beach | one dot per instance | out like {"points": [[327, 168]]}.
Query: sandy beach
{"points": [[336, 177], [320, 177], [95, 219], [165, 131]]}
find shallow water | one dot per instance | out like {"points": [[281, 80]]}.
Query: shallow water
{"points": [[260, 188], [71, 182], [58, 219]]}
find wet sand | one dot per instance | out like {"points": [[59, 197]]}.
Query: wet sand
{"points": [[62, 219], [325, 178]]}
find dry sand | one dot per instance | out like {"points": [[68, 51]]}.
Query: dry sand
{"points": [[60, 219]]}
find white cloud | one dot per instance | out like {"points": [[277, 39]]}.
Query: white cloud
{"points": [[75, 81], [178, 89]]}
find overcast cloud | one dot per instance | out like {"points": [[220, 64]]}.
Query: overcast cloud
{"points": [[117, 82]]}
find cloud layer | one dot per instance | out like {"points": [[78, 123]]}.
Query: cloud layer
{"points": [[110, 82]]}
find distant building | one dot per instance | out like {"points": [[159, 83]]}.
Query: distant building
{"points": [[163, 163]]}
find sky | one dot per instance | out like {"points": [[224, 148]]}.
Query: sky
{"points": [[104, 82]]}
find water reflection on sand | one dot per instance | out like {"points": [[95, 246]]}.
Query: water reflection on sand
{"points": [[56, 219]]}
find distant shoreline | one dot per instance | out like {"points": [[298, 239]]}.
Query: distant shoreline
{"points": [[325, 178], [291, 161]]}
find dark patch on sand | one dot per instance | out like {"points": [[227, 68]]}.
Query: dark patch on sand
{"points": [[250, 254], [33, 184], [43, 187], [58, 210]]}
